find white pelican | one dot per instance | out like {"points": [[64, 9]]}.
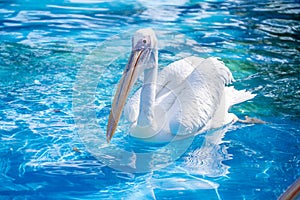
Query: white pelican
{"points": [[189, 96]]}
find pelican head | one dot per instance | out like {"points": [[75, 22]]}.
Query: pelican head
{"points": [[143, 56], [144, 39]]}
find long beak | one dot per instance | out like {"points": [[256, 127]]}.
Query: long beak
{"points": [[128, 78]]}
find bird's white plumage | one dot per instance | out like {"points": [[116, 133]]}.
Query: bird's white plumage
{"points": [[190, 96], [187, 97]]}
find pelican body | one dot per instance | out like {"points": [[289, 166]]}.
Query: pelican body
{"points": [[187, 97]]}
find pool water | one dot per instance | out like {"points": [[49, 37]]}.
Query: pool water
{"points": [[60, 62]]}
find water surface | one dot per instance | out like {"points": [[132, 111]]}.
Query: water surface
{"points": [[45, 45]]}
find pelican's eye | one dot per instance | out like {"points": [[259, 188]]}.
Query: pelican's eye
{"points": [[144, 41]]}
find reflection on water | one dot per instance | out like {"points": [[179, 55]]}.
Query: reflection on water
{"points": [[208, 159], [193, 176]]}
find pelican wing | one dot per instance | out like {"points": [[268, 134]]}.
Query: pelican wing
{"points": [[175, 74], [199, 96], [189, 91], [169, 78]]}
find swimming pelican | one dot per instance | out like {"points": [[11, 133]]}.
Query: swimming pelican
{"points": [[187, 97]]}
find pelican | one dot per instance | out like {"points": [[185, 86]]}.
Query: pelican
{"points": [[187, 97]]}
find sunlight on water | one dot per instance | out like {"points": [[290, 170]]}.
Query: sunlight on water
{"points": [[45, 47]]}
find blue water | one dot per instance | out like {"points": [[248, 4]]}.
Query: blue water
{"points": [[60, 62]]}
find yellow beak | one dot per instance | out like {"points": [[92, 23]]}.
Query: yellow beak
{"points": [[128, 78]]}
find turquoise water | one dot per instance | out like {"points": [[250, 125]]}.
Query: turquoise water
{"points": [[60, 62]]}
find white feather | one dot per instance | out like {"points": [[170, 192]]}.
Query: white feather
{"points": [[191, 96], [187, 97]]}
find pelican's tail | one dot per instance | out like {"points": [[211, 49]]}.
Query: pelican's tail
{"points": [[238, 96]]}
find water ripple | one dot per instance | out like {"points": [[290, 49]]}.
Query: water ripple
{"points": [[43, 45]]}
